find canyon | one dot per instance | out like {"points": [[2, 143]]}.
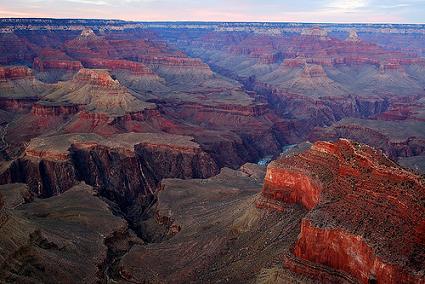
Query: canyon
{"points": [[156, 152]]}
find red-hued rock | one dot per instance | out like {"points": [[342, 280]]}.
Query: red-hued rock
{"points": [[98, 117], [95, 77], [15, 72], [104, 124], [301, 188], [404, 108], [356, 60], [69, 65], [349, 252], [114, 54], [313, 44], [52, 109], [54, 59], [196, 109], [136, 68], [366, 218]]}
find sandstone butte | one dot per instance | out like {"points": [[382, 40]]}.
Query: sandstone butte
{"points": [[366, 217]]}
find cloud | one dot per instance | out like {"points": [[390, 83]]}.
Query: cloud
{"points": [[409, 11], [347, 5], [89, 2]]}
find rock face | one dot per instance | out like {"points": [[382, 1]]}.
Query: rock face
{"points": [[135, 68], [365, 213], [18, 82], [43, 65], [45, 109], [53, 65], [99, 78], [15, 72], [123, 166]]}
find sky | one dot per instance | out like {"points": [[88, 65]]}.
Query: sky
{"points": [[321, 11]]}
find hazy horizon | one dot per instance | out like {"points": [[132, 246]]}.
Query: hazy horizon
{"points": [[320, 11]]}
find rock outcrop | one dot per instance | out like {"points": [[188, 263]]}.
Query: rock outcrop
{"points": [[43, 65], [19, 83], [135, 68], [122, 167], [365, 214], [87, 33], [46, 108], [96, 77], [96, 91], [53, 65], [15, 72], [353, 36]]}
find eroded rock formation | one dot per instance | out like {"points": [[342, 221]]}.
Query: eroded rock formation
{"points": [[365, 215], [123, 166], [15, 72]]}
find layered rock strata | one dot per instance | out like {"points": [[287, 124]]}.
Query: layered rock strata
{"points": [[122, 166], [365, 213]]}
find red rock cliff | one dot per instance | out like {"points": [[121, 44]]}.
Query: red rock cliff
{"points": [[14, 72], [136, 68], [366, 216], [70, 65], [51, 109]]}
